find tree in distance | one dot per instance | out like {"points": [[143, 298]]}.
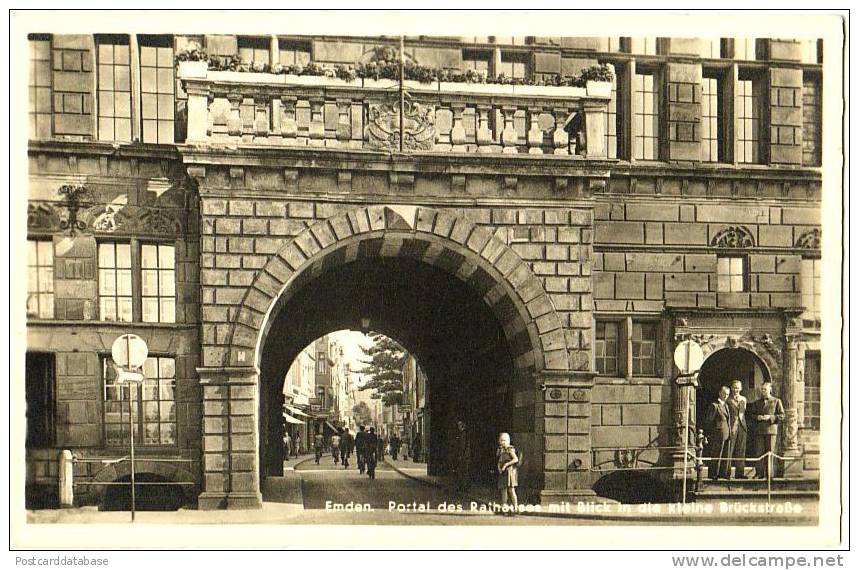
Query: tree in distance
{"points": [[383, 369], [361, 413]]}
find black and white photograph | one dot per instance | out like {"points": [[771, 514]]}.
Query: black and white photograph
{"points": [[319, 269]]}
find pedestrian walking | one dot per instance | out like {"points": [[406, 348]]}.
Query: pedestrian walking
{"points": [[507, 464], [347, 444], [737, 403], [380, 447], [461, 458], [395, 446], [287, 445], [335, 447], [373, 442], [318, 444], [361, 449]]}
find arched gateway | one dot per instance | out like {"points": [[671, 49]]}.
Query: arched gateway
{"points": [[450, 291]]}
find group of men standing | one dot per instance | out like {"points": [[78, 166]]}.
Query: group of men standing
{"points": [[732, 422]]}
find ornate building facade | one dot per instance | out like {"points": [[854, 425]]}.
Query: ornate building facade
{"points": [[539, 220]]}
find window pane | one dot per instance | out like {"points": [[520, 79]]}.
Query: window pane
{"points": [[124, 309], [150, 310], [106, 255], [646, 118], [114, 82], [747, 105], [148, 56], [123, 255], [168, 411], [150, 368], [168, 434], [123, 282], [166, 255], [150, 434], [149, 282], [46, 252]]}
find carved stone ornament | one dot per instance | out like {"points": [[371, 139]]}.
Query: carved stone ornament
{"points": [[705, 340], [625, 458], [110, 219], [579, 395], [809, 240], [73, 202], [158, 221], [555, 394], [733, 237], [42, 217], [383, 128]]}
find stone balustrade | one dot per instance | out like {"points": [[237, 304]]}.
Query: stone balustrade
{"points": [[239, 108]]}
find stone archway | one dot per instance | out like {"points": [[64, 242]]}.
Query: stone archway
{"points": [[723, 366], [232, 392], [435, 237]]}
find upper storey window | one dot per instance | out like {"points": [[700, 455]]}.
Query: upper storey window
{"points": [[747, 114], [254, 50], [645, 135], [157, 88], [40, 87], [114, 88]]}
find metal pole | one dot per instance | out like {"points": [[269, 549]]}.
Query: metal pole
{"points": [[769, 476], [685, 444], [402, 91], [131, 440]]}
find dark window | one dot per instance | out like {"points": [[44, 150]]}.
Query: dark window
{"points": [[645, 132], [643, 344], [254, 50], [158, 283], [40, 279], [114, 282], [810, 288], [157, 87], [114, 88], [153, 404], [40, 399], [40, 87], [476, 60], [513, 65], [812, 391], [612, 125], [811, 122], [731, 274], [711, 125], [294, 53], [747, 115], [606, 347]]}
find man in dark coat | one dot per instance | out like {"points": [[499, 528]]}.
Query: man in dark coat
{"points": [[766, 413], [461, 458], [347, 444], [371, 450], [395, 446], [737, 405], [719, 434], [361, 449]]}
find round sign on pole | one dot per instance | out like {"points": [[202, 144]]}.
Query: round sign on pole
{"points": [[688, 356], [129, 351]]}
